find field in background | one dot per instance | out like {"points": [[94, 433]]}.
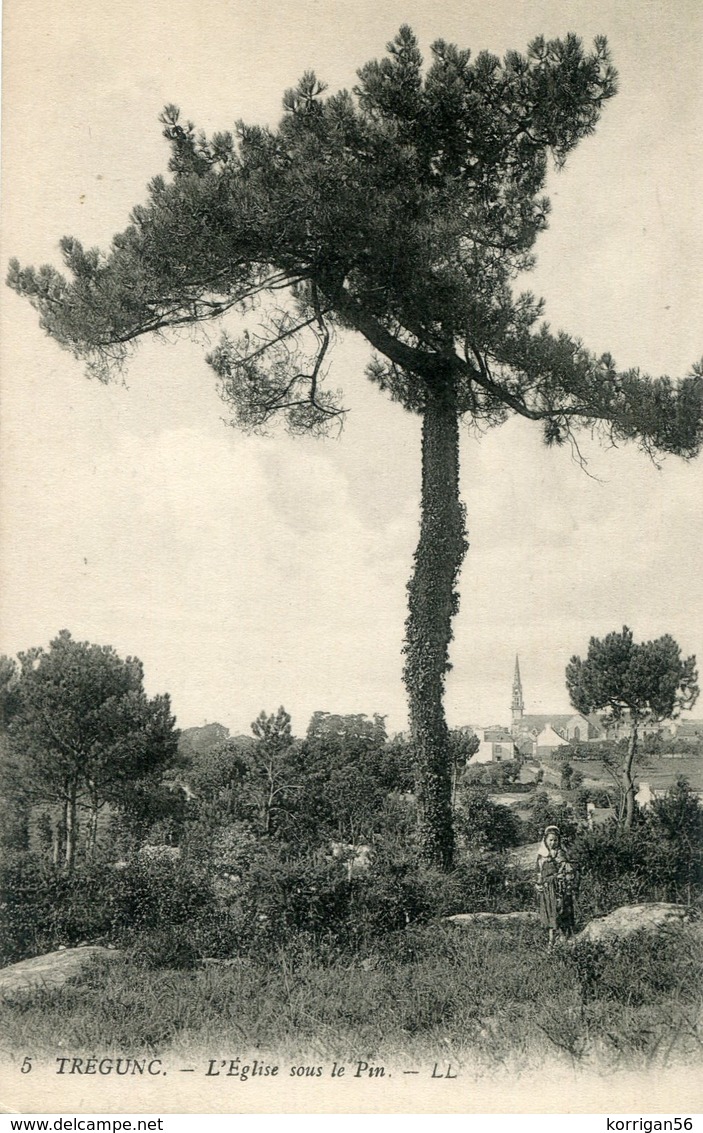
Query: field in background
{"points": [[661, 774]]}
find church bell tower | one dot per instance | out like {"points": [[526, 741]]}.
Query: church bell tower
{"points": [[518, 704]]}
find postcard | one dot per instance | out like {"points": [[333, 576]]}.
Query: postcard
{"points": [[350, 589]]}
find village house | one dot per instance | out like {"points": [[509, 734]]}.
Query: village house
{"points": [[684, 729], [532, 736], [496, 745]]}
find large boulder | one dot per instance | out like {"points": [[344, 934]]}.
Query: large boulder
{"points": [[629, 919], [52, 970]]}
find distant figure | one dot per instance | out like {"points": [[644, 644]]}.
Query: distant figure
{"points": [[555, 884]]}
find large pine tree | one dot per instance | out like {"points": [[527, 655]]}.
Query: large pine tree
{"points": [[403, 211]]}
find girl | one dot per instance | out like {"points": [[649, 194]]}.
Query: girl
{"points": [[555, 883]]}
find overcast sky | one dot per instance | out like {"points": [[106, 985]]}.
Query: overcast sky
{"points": [[252, 572]]}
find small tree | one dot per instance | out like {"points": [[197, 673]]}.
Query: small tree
{"points": [[82, 731], [346, 772], [250, 781], [219, 780], [638, 684], [272, 770], [571, 778], [677, 818]]}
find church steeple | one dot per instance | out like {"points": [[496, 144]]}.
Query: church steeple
{"points": [[518, 704]]}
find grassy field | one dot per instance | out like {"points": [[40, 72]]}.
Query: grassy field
{"points": [[486, 997], [661, 774]]}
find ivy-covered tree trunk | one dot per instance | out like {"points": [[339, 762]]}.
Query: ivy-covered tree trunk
{"points": [[433, 601]]}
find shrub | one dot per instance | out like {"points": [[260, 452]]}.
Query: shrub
{"points": [[147, 895], [496, 776], [484, 823], [44, 908], [599, 796], [640, 969], [676, 824], [398, 891], [545, 813], [484, 883], [14, 825], [397, 821], [281, 899], [172, 947], [571, 778], [659, 859], [24, 907], [279, 896]]}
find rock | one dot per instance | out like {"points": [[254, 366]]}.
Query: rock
{"points": [[52, 970], [525, 916], [630, 919]]}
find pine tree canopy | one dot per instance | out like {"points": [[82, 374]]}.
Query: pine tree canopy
{"points": [[404, 209], [650, 681]]}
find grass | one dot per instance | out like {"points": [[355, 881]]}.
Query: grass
{"points": [[486, 997], [660, 773], [663, 773]]}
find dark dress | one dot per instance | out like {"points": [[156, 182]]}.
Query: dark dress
{"points": [[556, 882], [547, 870]]}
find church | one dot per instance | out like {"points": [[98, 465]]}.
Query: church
{"points": [[532, 736], [537, 735]]}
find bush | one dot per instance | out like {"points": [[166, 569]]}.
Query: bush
{"points": [[484, 823], [659, 859], [398, 891], [496, 776], [172, 947], [44, 908], [571, 778], [25, 907], [147, 895], [316, 899], [547, 813], [279, 896], [599, 796], [484, 883], [14, 825], [638, 970], [676, 822], [281, 899], [170, 913]]}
